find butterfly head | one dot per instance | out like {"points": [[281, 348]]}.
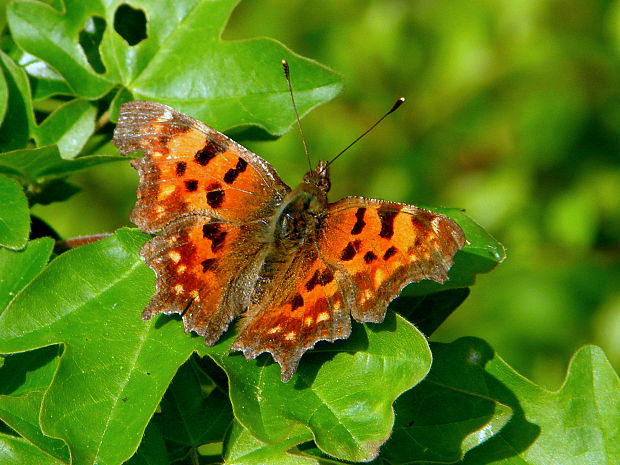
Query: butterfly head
{"points": [[319, 177]]}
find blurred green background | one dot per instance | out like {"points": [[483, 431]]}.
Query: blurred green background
{"points": [[512, 113]]}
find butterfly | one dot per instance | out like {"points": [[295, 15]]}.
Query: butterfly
{"points": [[235, 240]]}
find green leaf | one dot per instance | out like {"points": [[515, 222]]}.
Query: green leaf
{"points": [[342, 393], [53, 37], [23, 379], [428, 312], [4, 97], [15, 131], [69, 127], [244, 449], [33, 167], [44, 80], [578, 424], [114, 368], [18, 268], [194, 411], [480, 255], [465, 402], [152, 450], [56, 190], [14, 215], [17, 451], [182, 61], [439, 420]]}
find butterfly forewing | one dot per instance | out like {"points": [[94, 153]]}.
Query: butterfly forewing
{"points": [[379, 247], [189, 167]]}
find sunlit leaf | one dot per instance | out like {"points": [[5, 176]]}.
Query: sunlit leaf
{"points": [[182, 61], [69, 127], [114, 368], [342, 393], [33, 167], [17, 451], [96, 292], [445, 416], [244, 449], [578, 424], [14, 215], [17, 268]]}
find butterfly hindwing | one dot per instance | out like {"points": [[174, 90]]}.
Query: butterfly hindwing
{"points": [[200, 272], [304, 305]]}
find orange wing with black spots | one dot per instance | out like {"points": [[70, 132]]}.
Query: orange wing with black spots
{"points": [[198, 275], [234, 239], [189, 167], [378, 247], [207, 195], [305, 305], [366, 252]]}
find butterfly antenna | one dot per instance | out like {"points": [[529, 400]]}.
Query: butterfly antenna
{"points": [[287, 75], [397, 104]]}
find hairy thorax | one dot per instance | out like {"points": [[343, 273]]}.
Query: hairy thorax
{"points": [[298, 219], [294, 226]]}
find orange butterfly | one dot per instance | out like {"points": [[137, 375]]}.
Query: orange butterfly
{"points": [[235, 240]]}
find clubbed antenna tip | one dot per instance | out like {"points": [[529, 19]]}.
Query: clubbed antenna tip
{"points": [[398, 103], [287, 73]]}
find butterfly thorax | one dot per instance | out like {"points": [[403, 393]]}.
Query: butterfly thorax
{"points": [[298, 218], [295, 224]]}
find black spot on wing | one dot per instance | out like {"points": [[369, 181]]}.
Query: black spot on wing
{"points": [[211, 150], [389, 253], [213, 232], [215, 198], [180, 168], [350, 250], [231, 175], [298, 301], [369, 257], [360, 223], [191, 185], [207, 264], [326, 277], [313, 281], [319, 279], [387, 223]]}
